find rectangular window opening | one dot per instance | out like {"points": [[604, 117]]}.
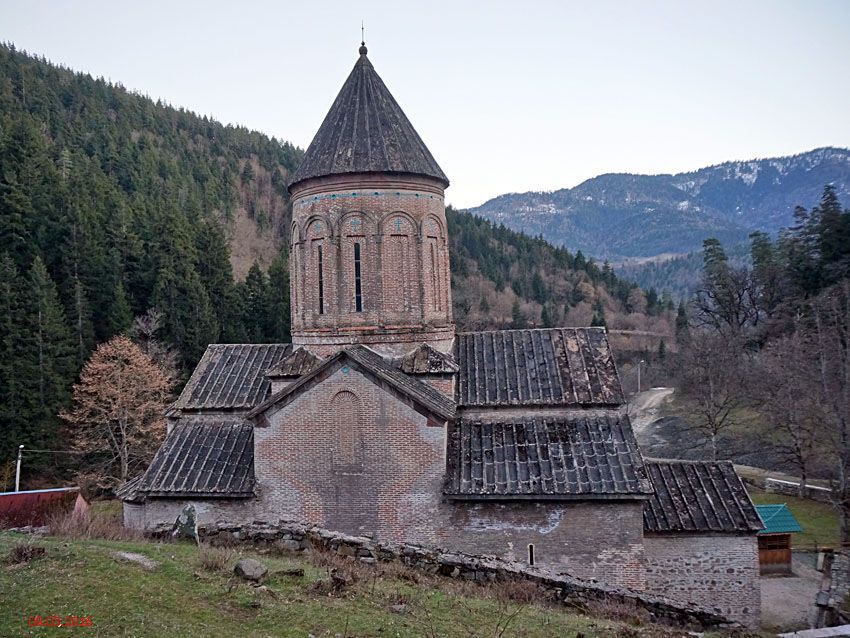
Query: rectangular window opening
{"points": [[358, 289], [321, 284], [531, 555]]}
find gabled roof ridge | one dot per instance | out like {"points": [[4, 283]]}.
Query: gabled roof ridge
{"points": [[540, 329], [419, 392], [408, 362], [299, 362], [652, 459]]}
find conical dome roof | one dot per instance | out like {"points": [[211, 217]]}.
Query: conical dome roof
{"points": [[366, 132]]}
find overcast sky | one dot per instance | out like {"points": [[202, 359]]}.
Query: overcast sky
{"points": [[509, 96]]}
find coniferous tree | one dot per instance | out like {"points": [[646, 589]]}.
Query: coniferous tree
{"points": [[120, 316], [50, 364], [518, 319], [278, 301], [255, 298], [12, 418]]}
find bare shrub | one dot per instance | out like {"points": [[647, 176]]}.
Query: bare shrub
{"points": [[616, 610], [399, 571], [518, 591], [214, 559], [336, 583], [23, 553]]}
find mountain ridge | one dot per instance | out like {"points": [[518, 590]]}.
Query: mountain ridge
{"points": [[674, 212]]}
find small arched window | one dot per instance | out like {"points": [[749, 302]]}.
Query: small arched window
{"points": [[358, 286]]}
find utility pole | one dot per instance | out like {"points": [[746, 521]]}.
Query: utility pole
{"points": [[640, 363], [18, 469]]}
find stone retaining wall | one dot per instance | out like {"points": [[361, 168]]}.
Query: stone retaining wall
{"points": [[790, 488], [573, 591]]}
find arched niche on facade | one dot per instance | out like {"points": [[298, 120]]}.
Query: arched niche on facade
{"points": [[399, 237], [347, 430], [435, 264]]}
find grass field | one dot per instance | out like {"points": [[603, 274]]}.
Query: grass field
{"points": [[819, 520], [187, 594]]}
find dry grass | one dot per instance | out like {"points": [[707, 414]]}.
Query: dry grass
{"points": [[98, 522], [214, 559]]}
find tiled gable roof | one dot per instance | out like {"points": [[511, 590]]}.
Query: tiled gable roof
{"points": [[415, 390], [300, 362], [202, 457], [552, 366], [366, 131], [580, 457], [698, 496], [427, 360], [231, 376]]}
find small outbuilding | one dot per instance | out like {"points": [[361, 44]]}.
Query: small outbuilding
{"points": [[775, 539]]}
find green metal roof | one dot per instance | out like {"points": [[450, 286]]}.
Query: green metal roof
{"points": [[777, 519]]}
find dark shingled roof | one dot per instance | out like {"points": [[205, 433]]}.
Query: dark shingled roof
{"points": [[203, 458], [231, 376], [580, 457], [409, 386], [366, 132], [698, 496], [297, 364], [552, 366], [427, 360]]}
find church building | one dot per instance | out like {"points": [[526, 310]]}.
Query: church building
{"points": [[380, 419]]}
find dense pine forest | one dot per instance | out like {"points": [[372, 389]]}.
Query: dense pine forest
{"points": [[121, 215]]}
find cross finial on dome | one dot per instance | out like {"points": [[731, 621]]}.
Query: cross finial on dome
{"points": [[363, 49]]}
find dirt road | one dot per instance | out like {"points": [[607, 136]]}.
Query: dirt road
{"points": [[644, 410]]}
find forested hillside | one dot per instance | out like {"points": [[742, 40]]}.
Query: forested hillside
{"points": [[123, 215], [681, 276]]}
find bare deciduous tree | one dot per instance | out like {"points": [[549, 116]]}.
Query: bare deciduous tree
{"points": [[712, 376], [144, 332], [785, 385], [831, 346], [118, 407]]}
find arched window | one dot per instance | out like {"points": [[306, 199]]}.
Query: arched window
{"points": [[358, 286], [320, 269], [345, 411], [316, 280]]}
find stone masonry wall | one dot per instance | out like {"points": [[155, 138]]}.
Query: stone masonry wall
{"points": [[576, 593], [719, 571]]}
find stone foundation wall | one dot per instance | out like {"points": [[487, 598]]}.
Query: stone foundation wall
{"points": [[720, 572], [575, 592], [158, 512]]}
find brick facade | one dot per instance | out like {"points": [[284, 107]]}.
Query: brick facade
{"points": [[346, 455], [391, 231], [720, 572]]}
